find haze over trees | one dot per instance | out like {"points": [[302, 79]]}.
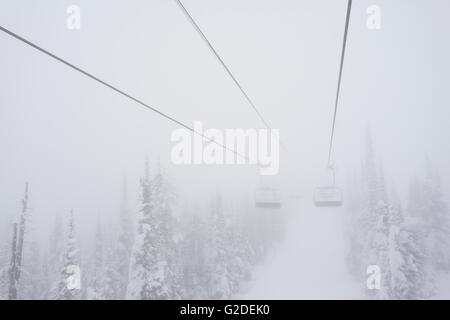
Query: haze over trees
{"points": [[154, 253], [168, 248], [409, 241]]}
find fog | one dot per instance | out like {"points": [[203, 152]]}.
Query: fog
{"points": [[74, 140]]}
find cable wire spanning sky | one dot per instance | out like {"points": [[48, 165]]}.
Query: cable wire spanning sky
{"points": [[73, 139]]}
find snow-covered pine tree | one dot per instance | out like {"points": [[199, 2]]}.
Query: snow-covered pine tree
{"points": [[396, 259], [147, 269], [17, 249], [69, 259], [22, 229], [218, 257], [374, 223], [415, 239], [408, 264], [367, 219], [396, 215], [31, 285], [12, 285], [95, 281], [194, 251], [164, 200], [51, 264], [431, 217], [122, 253], [437, 217], [111, 280], [241, 255], [405, 255], [378, 248], [355, 210], [4, 259], [373, 238]]}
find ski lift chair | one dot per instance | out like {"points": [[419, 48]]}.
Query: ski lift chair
{"points": [[267, 198], [329, 196]]}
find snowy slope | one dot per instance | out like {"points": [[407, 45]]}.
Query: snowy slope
{"points": [[443, 287], [310, 264]]}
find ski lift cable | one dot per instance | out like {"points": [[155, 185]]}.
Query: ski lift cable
{"points": [[203, 36], [227, 69], [89, 75], [347, 21]]}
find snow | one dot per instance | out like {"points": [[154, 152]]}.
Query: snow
{"points": [[443, 287], [310, 264]]}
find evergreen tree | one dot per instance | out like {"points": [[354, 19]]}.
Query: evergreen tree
{"points": [[405, 255], [111, 285], [21, 234], [52, 263], [147, 269], [12, 288], [94, 291], [194, 251], [31, 285], [437, 217], [375, 223], [241, 257], [354, 227], [4, 269], [122, 253], [410, 279], [219, 273], [164, 200], [17, 249], [69, 259]]}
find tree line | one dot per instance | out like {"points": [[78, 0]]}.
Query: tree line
{"points": [[163, 251], [408, 240]]}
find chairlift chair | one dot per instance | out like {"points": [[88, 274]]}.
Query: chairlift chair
{"points": [[329, 196], [267, 198]]}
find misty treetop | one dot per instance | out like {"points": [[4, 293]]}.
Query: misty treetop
{"points": [[410, 243]]}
